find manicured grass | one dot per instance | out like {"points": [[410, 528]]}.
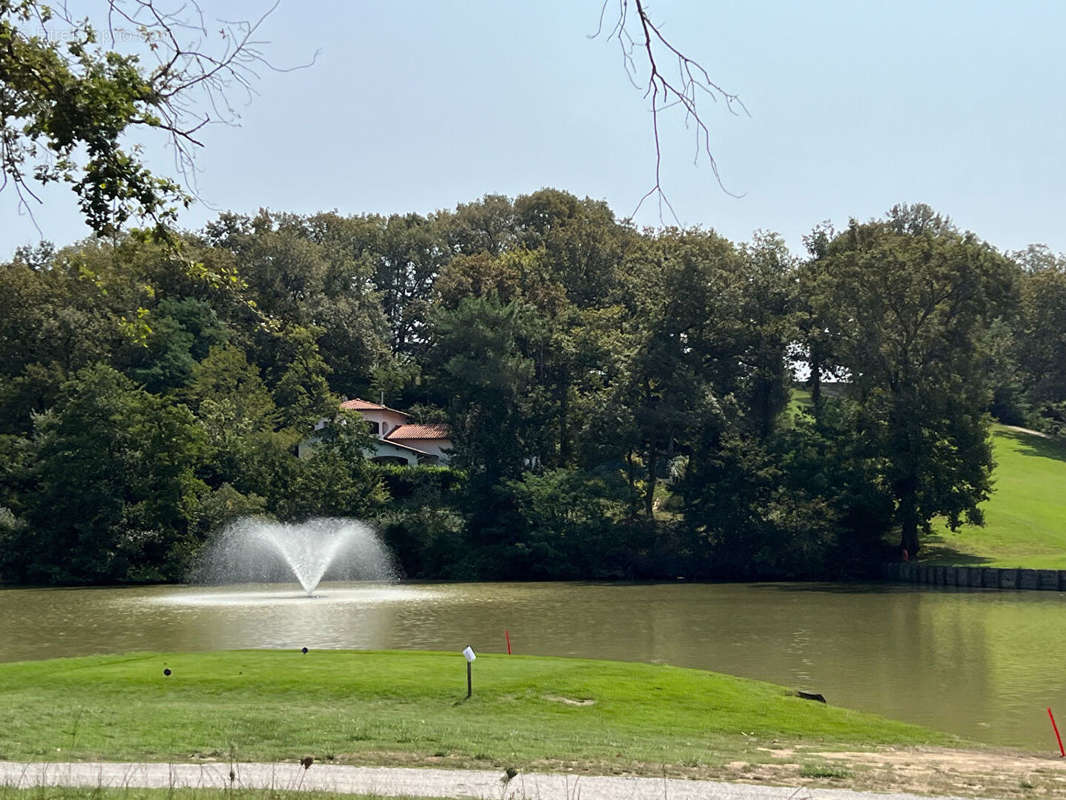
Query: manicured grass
{"points": [[410, 708], [1025, 519]]}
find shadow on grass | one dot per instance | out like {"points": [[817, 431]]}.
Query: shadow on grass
{"points": [[939, 549], [1035, 445]]}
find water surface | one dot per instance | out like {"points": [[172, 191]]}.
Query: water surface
{"points": [[983, 664]]}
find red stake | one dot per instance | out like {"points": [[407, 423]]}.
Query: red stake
{"points": [[1056, 729], [507, 636]]}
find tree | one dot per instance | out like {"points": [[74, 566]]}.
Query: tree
{"points": [[570, 527], [814, 340], [336, 480], [182, 333], [73, 95], [69, 102], [684, 342], [477, 352], [237, 414], [63, 311], [768, 322], [905, 302], [1039, 350], [484, 226], [522, 280], [580, 239], [302, 391], [410, 254], [314, 273], [113, 469]]}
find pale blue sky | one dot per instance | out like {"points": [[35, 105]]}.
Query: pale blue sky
{"points": [[855, 106]]}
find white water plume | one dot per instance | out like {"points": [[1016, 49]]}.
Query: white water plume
{"points": [[255, 549]]}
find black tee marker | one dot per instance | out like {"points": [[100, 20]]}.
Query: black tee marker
{"points": [[166, 671]]}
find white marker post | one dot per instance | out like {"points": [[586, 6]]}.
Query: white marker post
{"points": [[468, 654]]}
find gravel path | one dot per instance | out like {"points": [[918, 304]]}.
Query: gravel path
{"points": [[387, 781]]}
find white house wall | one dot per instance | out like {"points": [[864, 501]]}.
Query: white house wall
{"points": [[387, 420]]}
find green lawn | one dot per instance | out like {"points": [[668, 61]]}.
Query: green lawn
{"points": [[1025, 519], [410, 708]]}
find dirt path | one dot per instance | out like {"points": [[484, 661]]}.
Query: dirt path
{"points": [[926, 771], [400, 781], [907, 774], [983, 773]]}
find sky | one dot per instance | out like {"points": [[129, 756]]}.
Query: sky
{"points": [[418, 105]]}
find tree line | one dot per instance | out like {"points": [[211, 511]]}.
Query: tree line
{"points": [[624, 403]]}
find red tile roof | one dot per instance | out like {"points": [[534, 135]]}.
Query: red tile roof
{"points": [[358, 404], [435, 431]]}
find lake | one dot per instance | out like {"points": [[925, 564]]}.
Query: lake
{"points": [[982, 664]]}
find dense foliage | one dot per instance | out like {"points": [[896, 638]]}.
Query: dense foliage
{"points": [[619, 399]]}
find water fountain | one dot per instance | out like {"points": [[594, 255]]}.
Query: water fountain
{"points": [[253, 549]]}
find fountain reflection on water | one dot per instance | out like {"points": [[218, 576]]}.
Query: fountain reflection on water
{"points": [[256, 550]]}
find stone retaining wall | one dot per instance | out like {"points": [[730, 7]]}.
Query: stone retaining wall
{"points": [[978, 577]]}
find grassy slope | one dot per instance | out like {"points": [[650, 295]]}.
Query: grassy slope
{"points": [[379, 707], [1025, 519]]}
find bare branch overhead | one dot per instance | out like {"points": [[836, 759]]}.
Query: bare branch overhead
{"points": [[674, 80]]}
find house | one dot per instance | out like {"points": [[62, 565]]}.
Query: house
{"points": [[398, 439]]}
